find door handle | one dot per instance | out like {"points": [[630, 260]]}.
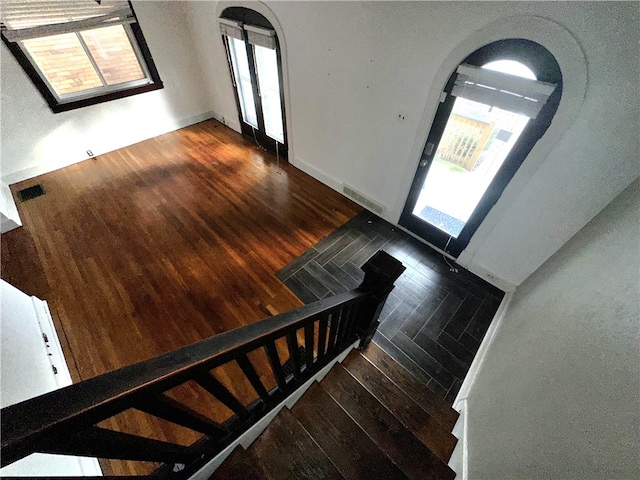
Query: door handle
{"points": [[428, 150]]}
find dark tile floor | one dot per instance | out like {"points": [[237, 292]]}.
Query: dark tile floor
{"points": [[434, 319]]}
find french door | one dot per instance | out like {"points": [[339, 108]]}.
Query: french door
{"points": [[490, 116], [254, 63]]}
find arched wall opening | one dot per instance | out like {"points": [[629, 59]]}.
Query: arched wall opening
{"points": [[489, 118], [571, 59], [270, 123]]}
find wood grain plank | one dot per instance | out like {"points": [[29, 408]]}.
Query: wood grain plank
{"points": [[429, 364], [410, 455], [238, 466], [423, 425], [286, 451], [349, 448], [164, 243], [429, 402]]}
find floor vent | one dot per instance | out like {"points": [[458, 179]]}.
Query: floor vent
{"points": [[30, 192], [366, 202]]}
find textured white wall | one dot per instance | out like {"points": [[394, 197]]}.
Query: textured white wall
{"points": [[35, 140], [557, 394], [354, 66]]}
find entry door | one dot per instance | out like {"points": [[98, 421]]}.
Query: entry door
{"points": [[467, 161], [255, 71]]}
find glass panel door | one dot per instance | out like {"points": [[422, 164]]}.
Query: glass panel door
{"points": [[244, 87], [476, 141], [269, 82], [473, 150], [255, 70]]}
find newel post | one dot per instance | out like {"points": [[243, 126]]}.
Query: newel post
{"points": [[380, 272]]}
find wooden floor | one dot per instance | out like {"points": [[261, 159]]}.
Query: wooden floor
{"points": [[433, 321], [369, 418], [164, 243]]}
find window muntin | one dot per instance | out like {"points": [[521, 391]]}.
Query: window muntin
{"points": [[114, 55], [63, 62]]}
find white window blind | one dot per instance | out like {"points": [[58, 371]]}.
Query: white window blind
{"points": [[508, 92], [231, 28], [25, 19], [261, 37]]}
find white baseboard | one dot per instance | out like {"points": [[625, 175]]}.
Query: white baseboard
{"points": [[317, 174], [247, 438], [7, 224], [36, 170], [476, 365], [232, 123], [459, 458], [333, 183], [466, 260]]}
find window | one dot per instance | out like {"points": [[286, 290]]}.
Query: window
{"points": [[79, 52]]}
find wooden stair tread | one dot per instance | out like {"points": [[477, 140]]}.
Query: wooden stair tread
{"points": [[425, 398], [423, 425], [415, 460], [286, 451], [238, 466], [355, 455]]}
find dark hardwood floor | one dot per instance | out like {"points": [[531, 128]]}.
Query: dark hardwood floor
{"points": [[434, 319], [164, 243], [364, 420], [177, 238]]}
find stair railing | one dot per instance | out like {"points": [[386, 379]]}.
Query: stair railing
{"points": [[65, 421]]}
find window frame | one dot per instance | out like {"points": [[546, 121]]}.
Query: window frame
{"points": [[95, 95]]}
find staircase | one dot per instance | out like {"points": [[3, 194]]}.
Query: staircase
{"points": [[368, 418]]}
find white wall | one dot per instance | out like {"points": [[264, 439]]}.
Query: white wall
{"points": [[352, 67], [36, 141], [24, 320], [9, 216], [557, 394]]}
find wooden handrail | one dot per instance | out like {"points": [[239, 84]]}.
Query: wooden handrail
{"points": [[63, 421]]}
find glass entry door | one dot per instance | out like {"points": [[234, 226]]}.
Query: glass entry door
{"points": [[462, 170], [255, 71], [475, 143]]}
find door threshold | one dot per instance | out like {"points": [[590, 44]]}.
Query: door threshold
{"points": [[419, 238]]}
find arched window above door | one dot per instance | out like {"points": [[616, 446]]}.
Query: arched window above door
{"points": [[496, 105]]}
